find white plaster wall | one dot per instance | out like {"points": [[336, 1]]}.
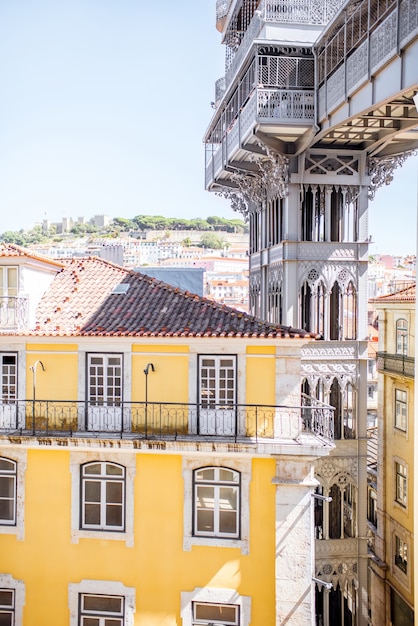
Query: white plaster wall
{"points": [[294, 542]]}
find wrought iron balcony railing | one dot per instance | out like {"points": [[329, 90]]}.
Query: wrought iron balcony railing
{"points": [[13, 313], [396, 364], [176, 421], [222, 8], [264, 106]]}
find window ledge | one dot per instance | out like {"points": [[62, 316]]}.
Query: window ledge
{"points": [[216, 542], [128, 538]]}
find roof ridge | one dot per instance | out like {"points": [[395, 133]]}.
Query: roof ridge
{"points": [[25, 252]]}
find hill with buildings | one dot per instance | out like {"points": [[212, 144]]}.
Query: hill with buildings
{"points": [[104, 226]]}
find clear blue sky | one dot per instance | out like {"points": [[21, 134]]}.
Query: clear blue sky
{"points": [[103, 107]]}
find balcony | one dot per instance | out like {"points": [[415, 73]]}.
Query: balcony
{"points": [[13, 313], [291, 250], [396, 364], [268, 108], [247, 423]]}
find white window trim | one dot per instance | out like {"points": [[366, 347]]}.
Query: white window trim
{"points": [[398, 503], [398, 573], [218, 349], [216, 596], [397, 426], [101, 587], [20, 458], [8, 582], [239, 465], [77, 459], [103, 480]]}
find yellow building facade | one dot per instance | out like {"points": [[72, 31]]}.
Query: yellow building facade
{"points": [[392, 565], [157, 476]]}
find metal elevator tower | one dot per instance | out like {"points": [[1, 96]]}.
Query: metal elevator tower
{"points": [[314, 113]]}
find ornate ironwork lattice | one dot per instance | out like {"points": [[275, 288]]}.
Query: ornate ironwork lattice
{"points": [[381, 170]]}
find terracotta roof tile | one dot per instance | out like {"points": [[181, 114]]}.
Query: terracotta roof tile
{"points": [[404, 295], [85, 299], [12, 250]]}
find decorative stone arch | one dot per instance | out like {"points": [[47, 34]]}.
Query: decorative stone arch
{"points": [[336, 518], [255, 293], [328, 273], [328, 300], [335, 571], [342, 576], [275, 293]]}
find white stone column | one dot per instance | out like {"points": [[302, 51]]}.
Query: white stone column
{"points": [[326, 515], [295, 593], [326, 607], [328, 192]]}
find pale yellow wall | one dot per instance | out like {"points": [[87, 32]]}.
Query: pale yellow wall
{"points": [[157, 566], [397, 446], [260, 375], [169, 381], [59, 381]]}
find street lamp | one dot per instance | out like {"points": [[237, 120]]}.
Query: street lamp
{"points": [[146, 372], [33, 369]]}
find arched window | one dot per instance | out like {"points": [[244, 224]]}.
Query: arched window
{"points": [[336, 215], [8, 476], [308, 216], [350, 412], [275, 312], [342, 511], [402, 337], [334, 309], [305, 306], [103, 496], [350, 312], [216, 502], [255, 294], [335, 400]]}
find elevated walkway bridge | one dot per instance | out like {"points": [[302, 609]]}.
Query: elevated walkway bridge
{"points": [[302, 75]]}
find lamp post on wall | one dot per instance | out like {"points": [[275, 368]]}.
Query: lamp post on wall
{"points": [[146, 372], [33, 369]]}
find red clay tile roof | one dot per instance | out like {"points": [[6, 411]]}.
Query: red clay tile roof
{"points": [[80, 302], [404, 295], [12, 250]]}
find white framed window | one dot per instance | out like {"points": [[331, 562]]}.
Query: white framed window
{"points": [[101, 610], [216, 502], [7, 607], [104, 392], [9, 281], [9, 418], [12, 600], [12, 493], [401, 554], [104, 379], [217, 394], [206, 606], [103, 496], [8, 486], [401, 337], [401, 473], [209, 614], [372, 506], [401, 409], [101, 603], [217, 380], [8, 365]]}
